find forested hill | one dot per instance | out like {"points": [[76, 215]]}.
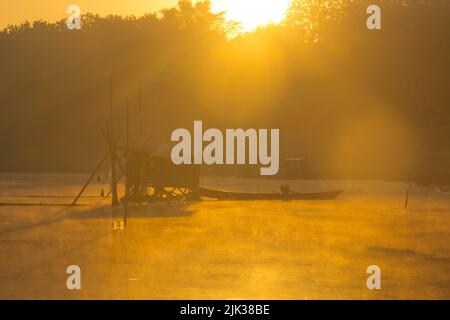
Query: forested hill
{"points": [[355, 102]]}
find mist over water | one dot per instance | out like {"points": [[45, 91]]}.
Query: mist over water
{"points": [[226, 249]]}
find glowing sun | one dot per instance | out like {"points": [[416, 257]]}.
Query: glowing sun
{"points": [[252, 13]]}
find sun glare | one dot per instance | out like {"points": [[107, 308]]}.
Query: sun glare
{"points": [[252, 13]]}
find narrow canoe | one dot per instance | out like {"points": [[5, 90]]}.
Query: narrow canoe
{"points": [[224, 195]]}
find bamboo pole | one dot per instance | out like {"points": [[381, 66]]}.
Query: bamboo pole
{"points": [[140, 113], [111, 103], [113, 158], [407, 196], [109, 192], [125, 214], [90, 179]]}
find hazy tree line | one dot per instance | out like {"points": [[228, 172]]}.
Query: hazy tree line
{"points": [[354, 102]]}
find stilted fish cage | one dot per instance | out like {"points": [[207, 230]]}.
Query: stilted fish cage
{"points": [[153, 178]]}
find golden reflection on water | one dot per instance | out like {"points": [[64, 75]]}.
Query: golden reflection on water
{"points": [[239, 250]]}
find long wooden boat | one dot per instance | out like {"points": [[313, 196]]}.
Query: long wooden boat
{"points": [[225, 195]]}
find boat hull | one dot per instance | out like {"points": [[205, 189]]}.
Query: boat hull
{"points": [[224, 195]]}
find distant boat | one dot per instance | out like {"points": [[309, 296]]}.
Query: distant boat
{"points": [[225, 195]]}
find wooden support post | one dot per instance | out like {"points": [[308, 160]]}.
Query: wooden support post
{"points": [[109, 192], [113, 158], [122, 170], [90, 179], [127, 191], [407, 196], [140, 113], [111, 104], [115, 198], [127, 120]]}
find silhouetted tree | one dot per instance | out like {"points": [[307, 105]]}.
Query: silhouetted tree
{"points": [[357, 103]]}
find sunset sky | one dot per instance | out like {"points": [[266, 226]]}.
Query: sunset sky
{"points": [[250, 13], [17, 11]]}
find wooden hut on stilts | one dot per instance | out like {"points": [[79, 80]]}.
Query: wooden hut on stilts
{"points": [[148, 178]]}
